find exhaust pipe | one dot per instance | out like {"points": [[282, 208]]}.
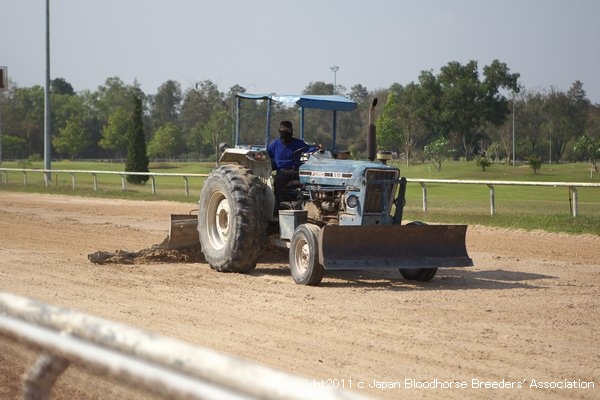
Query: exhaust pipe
{"points": [[371, 134]]}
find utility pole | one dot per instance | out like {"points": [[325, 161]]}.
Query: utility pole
{"points": [[3, 87], [513, 128], [47, 142]]}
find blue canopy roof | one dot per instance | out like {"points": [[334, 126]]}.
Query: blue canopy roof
{"points": [[321, 102]]}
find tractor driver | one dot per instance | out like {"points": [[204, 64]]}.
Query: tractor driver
{"points": [[285, 154]]}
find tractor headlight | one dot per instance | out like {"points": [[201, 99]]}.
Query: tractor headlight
{"points": [[352, 201]]}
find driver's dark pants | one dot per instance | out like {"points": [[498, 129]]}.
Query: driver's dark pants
{"points": [[282, 178]]}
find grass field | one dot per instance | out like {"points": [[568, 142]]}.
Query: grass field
{"points": [[526, 207]]}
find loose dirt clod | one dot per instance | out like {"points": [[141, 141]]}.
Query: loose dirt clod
{"points": [[191, 254]]}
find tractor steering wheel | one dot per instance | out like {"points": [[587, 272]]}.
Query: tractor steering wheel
{"points": [[305, 150]]}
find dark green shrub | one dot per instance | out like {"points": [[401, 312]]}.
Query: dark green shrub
{"points": [[137, 159]]}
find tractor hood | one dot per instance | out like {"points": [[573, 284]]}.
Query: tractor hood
{"points": [[340, 172]]}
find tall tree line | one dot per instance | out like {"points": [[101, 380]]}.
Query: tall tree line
{"points": [[474, 111], [479, 116]]}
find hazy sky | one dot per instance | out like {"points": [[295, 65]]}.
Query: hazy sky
{"points": [[283, 45]]}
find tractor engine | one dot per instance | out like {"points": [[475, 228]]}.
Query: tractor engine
{"points": [[348, 192], [324, 204]]}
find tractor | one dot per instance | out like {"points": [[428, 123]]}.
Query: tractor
{"points": [[341, 214]]}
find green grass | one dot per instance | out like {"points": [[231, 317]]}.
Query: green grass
{"points": [[525, 207], [167, 187], [572, 172]]}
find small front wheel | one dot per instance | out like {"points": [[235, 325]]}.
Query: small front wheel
{"points": [[418, 274], [304, 257]]}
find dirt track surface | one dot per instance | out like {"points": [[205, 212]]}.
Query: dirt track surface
{"points": [[527, 311]]}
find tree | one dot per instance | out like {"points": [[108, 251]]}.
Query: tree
{"points": [[70, 122], [358, 93], [166, 142], [115, 134], [566, 115], [137, 159], [387, 123], [29, 117], [352, 126], [460, 104], [531, 120], [588, 145], [72, 139], [412, 119], [233, 91], [114, 94], [199, 104], [503, 135], [535, 163], [483, 161], [437, 151], [590, 149], [318, 123], [13, 147], [61, 86], [166, 104], [216, 129], [318, 88]]}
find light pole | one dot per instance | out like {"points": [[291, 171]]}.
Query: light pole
{"points": [[513, 127], [47, 142], [3, 86], [335, 69]]}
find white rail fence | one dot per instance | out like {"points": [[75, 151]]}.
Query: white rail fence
{"points": [[573, 200], [73, 173], [572, 186], [140, 359]]}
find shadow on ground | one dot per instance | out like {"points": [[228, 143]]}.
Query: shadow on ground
{"points": [[445, 279]]}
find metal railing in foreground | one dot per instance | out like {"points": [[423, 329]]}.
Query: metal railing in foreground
{"points": [[140, 359]]}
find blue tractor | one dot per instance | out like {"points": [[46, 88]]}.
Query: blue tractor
{"points": [[341, 214]]}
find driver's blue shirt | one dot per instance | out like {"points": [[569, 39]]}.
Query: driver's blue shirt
{"points": [[287, 156]]}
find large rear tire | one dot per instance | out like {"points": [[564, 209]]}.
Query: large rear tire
{"points": [[304, 256], [231, 219]]}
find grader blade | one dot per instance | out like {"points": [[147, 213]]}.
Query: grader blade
{"points": [[393, 246], [183, 232]]}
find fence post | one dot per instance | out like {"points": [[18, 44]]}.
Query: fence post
{"points": [[492, 200], [123, 183], [424, 189], [187, 186], [73, 180], [95, 182], [153, 184], [573, 198], [41, 377], [24, 178]]}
